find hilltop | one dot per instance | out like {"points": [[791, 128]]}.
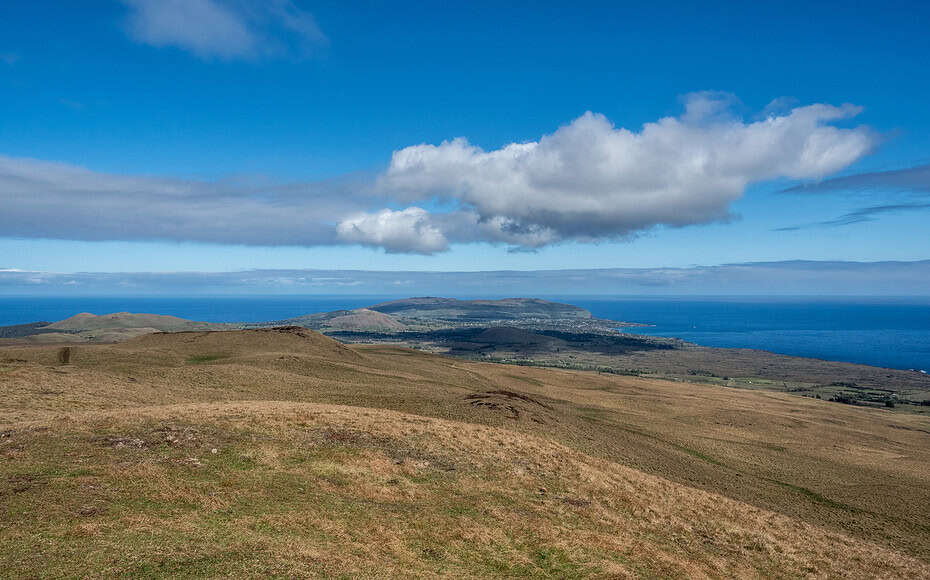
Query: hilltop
{"points": [[361, 319], [115, 327], [284, 452], [118, 320]]}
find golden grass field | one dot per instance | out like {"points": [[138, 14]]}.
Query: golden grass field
{"points": [[284, 453]]}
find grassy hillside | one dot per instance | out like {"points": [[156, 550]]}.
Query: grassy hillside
{"points": [[284, 452]]}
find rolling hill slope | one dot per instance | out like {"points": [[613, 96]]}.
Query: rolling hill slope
{"points": [[284, 452]]}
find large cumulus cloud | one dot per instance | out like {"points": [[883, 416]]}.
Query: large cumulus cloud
{"points": [[590, 180]]}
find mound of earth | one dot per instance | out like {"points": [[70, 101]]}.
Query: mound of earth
{"points": [[513, 405]]}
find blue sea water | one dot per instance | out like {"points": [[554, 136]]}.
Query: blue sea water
{"points": [[891, 332], [888, 332]]}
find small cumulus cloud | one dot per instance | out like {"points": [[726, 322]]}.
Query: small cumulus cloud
{"points": [[408, 230], [225, 29]]}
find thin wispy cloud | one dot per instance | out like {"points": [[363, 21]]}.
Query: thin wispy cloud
{"points": [[44, 199], [9, 58], [225, 29], [865, 214], [899, 188], [766, 278], [589, 181], [914, 179]]}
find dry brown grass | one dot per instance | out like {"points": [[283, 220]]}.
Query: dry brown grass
{"points": [[482, 470]]}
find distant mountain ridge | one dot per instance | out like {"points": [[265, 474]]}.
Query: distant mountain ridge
{"points": [[474, 310], [395, 316]]}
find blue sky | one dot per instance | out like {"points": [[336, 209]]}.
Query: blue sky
{"points": [[261, 135]]}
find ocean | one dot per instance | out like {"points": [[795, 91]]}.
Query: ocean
{"points": [[890, 332]]}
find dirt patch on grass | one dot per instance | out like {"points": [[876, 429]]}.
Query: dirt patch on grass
{"points": [[118, 442], [178, 436], [513, 405], [22, 483]]}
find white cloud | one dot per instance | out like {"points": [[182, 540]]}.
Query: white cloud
{"points": [[42, 199], [225, 29], [408, 230], [590, 180]]}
